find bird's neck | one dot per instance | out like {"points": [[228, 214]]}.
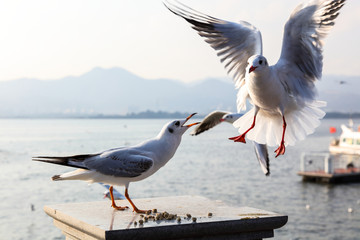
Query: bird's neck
{"points": [[264, 89], [164, 147], [261, 77], [261, 82], [169, 143]]}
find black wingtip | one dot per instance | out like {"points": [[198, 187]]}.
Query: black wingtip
{"points": [[198, 20], [267, 166], [69, 161], [50, 160], [56, 178], [42, 159]]}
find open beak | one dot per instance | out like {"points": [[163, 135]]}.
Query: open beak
{"points": [[252, 68], [192, 124]]}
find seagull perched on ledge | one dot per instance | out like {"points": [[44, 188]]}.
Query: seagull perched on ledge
{"points": [[120, 166], [285, 109]]}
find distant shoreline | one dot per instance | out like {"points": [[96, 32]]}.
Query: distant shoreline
{"points": [[148, 115]]}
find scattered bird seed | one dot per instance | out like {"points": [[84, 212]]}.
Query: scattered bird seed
{"points": [[158, 216], [165, 215]]}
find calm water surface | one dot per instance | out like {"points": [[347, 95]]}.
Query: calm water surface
{"points": [[207, 165]]}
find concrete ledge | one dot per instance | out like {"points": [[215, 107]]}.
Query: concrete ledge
{"points": [[97, 220]]}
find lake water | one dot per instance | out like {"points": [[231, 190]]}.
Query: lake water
{"points": [[208, 165]]}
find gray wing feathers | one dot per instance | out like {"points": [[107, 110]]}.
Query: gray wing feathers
{"points": [[120, 164], [129, 163], [209, 121], [234, 42], [303, 38]]}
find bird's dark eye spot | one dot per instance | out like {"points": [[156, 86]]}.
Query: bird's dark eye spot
{"points": [[177, 123], [170, 130], [260, 62]]}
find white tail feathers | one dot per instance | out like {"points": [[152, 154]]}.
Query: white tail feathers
{"points": [[268, 128], [79, 174]]}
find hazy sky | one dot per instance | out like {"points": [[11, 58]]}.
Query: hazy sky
{"points": [[52, 39]]}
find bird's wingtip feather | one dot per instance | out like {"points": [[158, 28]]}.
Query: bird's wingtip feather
{"points": [[56, 178]]}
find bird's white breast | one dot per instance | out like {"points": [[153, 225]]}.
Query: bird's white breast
{"points": [[266, 91]]}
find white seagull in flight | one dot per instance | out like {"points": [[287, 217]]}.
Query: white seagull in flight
{"points": [[116, 194], [285, 109], [216, 117], [120, 166]]}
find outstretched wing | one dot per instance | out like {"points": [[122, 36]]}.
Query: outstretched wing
{"points": [[210, 121], [120, 163], [300, 63], [233, 42]]}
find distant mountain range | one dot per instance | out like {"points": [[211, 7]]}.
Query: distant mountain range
{"points": [[116, 91]]}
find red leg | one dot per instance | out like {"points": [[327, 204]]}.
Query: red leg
{"points": [[281, 149], [132, 204], [113, 204], [241, 138]]}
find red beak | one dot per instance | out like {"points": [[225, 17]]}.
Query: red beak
{"points": [[252, 68], [192, 124], [196, 123]]}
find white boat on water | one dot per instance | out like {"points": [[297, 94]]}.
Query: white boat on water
{"points": [[347, 143], [340, 164]]}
